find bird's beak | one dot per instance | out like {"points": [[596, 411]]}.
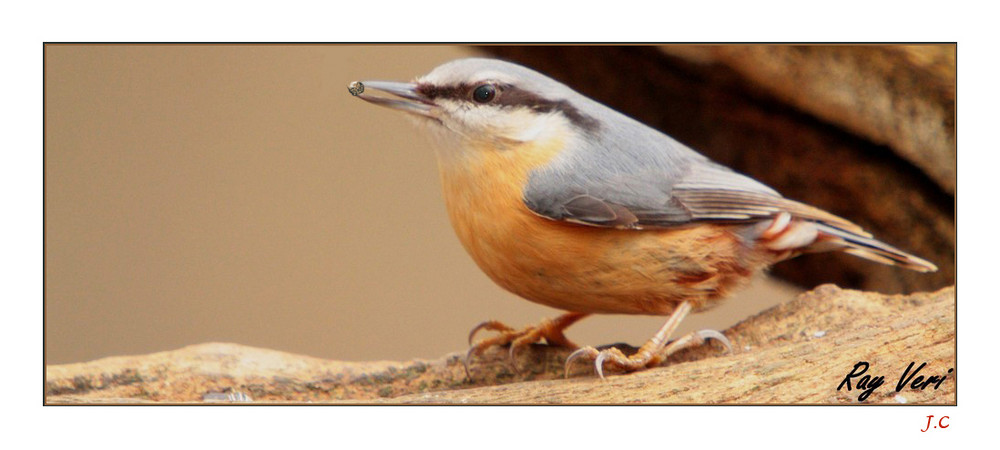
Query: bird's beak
{"points": [[410, 100]]}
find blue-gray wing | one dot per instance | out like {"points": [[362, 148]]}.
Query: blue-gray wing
{"points": [[639, 190]]}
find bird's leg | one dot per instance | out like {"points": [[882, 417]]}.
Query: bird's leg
{"points": [[549, 329], [653, 352]]}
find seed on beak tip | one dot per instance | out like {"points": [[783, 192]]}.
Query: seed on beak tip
{"points": [[356, 88]]}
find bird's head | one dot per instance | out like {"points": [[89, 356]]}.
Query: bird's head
{"points": [[487, 104]]}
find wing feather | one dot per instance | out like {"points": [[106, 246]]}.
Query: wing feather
{"points": [[741, 205], [645, 198]]}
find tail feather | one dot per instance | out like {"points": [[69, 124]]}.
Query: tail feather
{"points": [[867, 248]]}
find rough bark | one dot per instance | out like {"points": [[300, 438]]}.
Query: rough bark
{"points": [[797, 352], [901, 96]]}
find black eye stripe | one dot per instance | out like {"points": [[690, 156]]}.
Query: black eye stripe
{"points": [[511, 96], [435, 92], [462, 91]]}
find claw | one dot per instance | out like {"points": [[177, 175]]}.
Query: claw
{"points": [[472, 333], [712, 334], [599, 364], [550, 330], [488, 324], [573, 356], [465, 362], [513, 361]]}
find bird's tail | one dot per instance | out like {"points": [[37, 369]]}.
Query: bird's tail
{"points": [[833, 238]]}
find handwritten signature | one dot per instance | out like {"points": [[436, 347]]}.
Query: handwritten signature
{"points": [[869, 383]]}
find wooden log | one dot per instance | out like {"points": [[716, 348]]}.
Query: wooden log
{"points": [[798, 352]]}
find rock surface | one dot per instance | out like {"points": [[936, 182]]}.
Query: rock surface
{"points": [[797, 352]]}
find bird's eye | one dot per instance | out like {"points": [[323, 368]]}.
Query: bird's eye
{"points": [[484, 93]]}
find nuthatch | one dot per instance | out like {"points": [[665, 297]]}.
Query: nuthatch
{"points": [[568, 203]]}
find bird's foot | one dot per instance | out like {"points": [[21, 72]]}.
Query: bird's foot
{"points": [[647, 356], [551, 330]]}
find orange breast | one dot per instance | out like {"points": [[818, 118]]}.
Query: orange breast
{"points": [[577, 267]]}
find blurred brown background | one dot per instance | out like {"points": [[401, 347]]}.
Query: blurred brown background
{"points": [[238, 193]]}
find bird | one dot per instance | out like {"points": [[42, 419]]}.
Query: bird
{"points": [[568, 203]]}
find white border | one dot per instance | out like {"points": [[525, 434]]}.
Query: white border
{"points": [[489, 427]]}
